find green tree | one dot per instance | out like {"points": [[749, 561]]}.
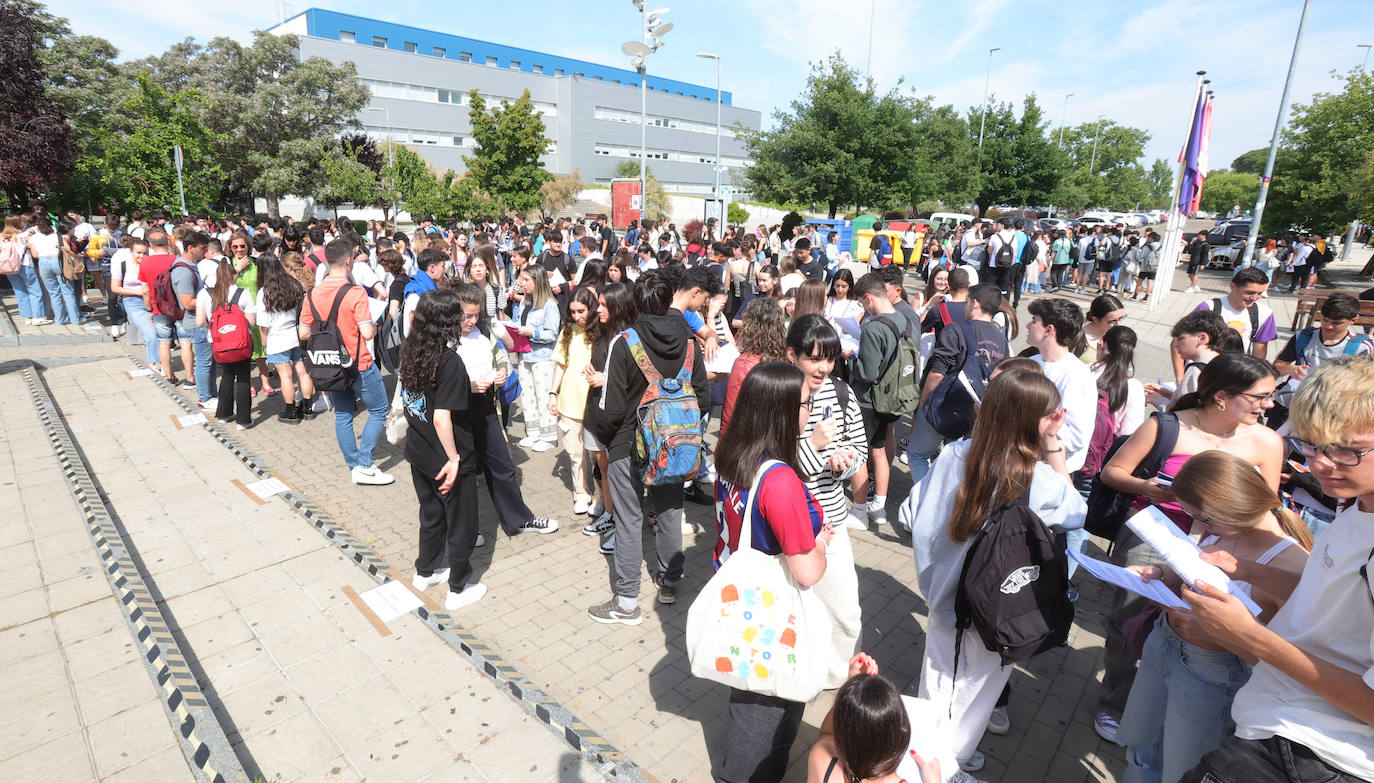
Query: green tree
{"points": [[262, 101], [1020, 164], [840, 144], [410, 183], [1362, 187], [140, 173], [561, 191], [943, 155], [736, 214], [658, 195], [351, 173], [1251, 162], [85, 82], [510, 142], [1224, 189], [1321, 151], [1161, 179]]}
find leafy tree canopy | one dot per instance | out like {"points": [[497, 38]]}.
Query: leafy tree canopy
{"points": [[510, 142]]}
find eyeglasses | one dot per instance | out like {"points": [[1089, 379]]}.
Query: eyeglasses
{"points": [[471, 316], [1259, 398], [1339, 455]]}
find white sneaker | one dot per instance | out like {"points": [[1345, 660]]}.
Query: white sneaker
{"points": [[541, 445], [581, 506], [470, 595], [904, 458], [210, 404], [856, 519], [370, 475], [114, 332], [42, 321], [540, 525], [422, 583], [973, 763], [598, 508], [999, 722], [526, 442]]}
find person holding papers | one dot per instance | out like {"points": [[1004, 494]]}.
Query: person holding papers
{"points": [[1180, 704], [1307, 713], [1234, 390]]}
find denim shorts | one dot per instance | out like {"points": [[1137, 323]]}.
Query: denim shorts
{"points": [[185, 328], [289, 357]]}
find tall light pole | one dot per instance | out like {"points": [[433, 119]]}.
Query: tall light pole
{"points": [[1093, 164], [1366, 48], [983, 115], [390, 158], [1065, 119], [653, 30], [868, 61], [1263, 196], [716, 192]]}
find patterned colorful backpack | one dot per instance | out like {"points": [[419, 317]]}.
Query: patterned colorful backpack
{"points": [[668, 420]]}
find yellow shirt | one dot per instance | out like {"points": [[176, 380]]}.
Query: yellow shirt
{"points": [[572, 392]]}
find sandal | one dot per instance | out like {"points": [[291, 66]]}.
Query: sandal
{"points": [[268, 391]]}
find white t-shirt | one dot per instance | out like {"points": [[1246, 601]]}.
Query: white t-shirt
{"points": [[44, 244], [123, 268], [362, 273], [791, 282], [476, 351], [1240, 321], [281, 327], [972, 274], [1078, 397], [82, 230], [245, 302], [1329, 615]]}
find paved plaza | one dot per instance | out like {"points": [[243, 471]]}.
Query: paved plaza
{"points": [[148, 590]]}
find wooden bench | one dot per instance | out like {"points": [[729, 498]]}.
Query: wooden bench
{"points": [[1308, 311]]}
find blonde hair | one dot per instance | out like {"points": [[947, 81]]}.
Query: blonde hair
{"points": [[1225, 488], [12, 227], [1334, 403], [294, 264]]}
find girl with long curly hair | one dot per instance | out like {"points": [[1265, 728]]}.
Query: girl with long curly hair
{"points": [[279, 297], [568, 400], [435, 392]]}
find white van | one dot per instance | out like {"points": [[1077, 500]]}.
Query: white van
{"points": [[944, 219]]}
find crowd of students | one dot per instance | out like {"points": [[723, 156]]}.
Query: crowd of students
{"points": [[1261, 464]]}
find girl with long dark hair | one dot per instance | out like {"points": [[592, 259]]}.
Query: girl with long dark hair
{"points": [[616, 311], [568, 398], [1115, 371], [279, 297], [1014, 450], [235, 378], [757, 457], [435, 391], [1105, 312]]}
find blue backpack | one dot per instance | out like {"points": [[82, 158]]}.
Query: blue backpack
{"points": [[667, 421]]}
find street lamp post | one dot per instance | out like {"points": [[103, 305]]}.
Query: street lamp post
{"points": [[1092, 165], [390, 158], [653, 31], [1366, 48], [1065, 119], [983, 115], [716, 191]]}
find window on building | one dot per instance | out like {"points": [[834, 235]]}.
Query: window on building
{"points": [[347, 37], [379, 42], [465, 56], [457, 141], [411, 46], [439, 51], [598, 78], [445, 96], [577, 73], [491, 61], [538, 68], [557, 71], [515, 65]]}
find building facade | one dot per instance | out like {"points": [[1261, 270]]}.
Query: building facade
{"points": [[420, 82]]}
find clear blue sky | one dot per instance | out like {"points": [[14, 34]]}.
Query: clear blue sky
{"points": [[1133, 62]]}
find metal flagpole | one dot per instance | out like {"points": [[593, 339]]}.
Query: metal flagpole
{"points": [[1173, 230], [1250, 240]]}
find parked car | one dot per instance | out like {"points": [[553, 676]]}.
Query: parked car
{"points": [[1055, 224], [1093, 221]]}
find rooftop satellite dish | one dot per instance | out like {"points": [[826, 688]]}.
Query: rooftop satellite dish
{"points": [[634, 48], [662, 29]]}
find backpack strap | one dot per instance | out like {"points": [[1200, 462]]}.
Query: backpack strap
{"points": [[684, 376], [1166, 437], [1354, 343], [641, 358], [234, 300], [338, 301], [746, 522], [1300, 342], [1253, 310], [945, 318], [1216, 305]]}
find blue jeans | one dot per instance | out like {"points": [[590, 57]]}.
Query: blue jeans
{"points": [[28, 293], [64, 307], [1180, 706], [1077, 539], [922, 445], [205, 362], [369, 386], [143, 322]]}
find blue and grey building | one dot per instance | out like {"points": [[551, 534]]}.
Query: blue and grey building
{"points": [[420, 80]]}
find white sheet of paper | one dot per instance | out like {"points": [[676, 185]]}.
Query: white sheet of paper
{"points": [[724, 360], [390, 600], [510, 325], [556, 279], [267, 487], [192, 420], [849, 326], [140, 373], [1129, 580], [929, 738], [1181, 555]]}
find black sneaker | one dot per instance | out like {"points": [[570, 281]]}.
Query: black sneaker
{"points": [[696, 494], [600, 526], [667, 594], [188, 384], [608, 544], [539, 525]]}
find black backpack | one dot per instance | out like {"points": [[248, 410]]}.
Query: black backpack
{"points": [[1006, 254], [950, 407], [1013, 589], [1252, 311], [1108, 506], [1030, 252], [332, 368], [389, 341]]}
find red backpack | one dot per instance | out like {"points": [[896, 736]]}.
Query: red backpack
{"points": [[231, 338], [165, 299], [1104, 433]]}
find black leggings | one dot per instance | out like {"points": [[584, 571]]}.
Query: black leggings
{"points": [[234, 392]]}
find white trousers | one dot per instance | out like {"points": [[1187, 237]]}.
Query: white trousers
{"points": [[968, 698]]}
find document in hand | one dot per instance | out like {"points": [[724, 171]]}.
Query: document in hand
{"points": [[1154, 589], [1181, 555]]}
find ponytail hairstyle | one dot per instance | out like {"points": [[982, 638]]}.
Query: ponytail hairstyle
{"points": [[1006, 434], [1117, 366], [1230, 374], [1228, 491], [224, 277]]}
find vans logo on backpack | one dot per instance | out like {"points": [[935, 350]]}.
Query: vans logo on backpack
{"points": [[1020, 578], [327, 358]]}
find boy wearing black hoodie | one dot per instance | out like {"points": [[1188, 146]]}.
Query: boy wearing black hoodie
{"points": [[665, 337]]}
